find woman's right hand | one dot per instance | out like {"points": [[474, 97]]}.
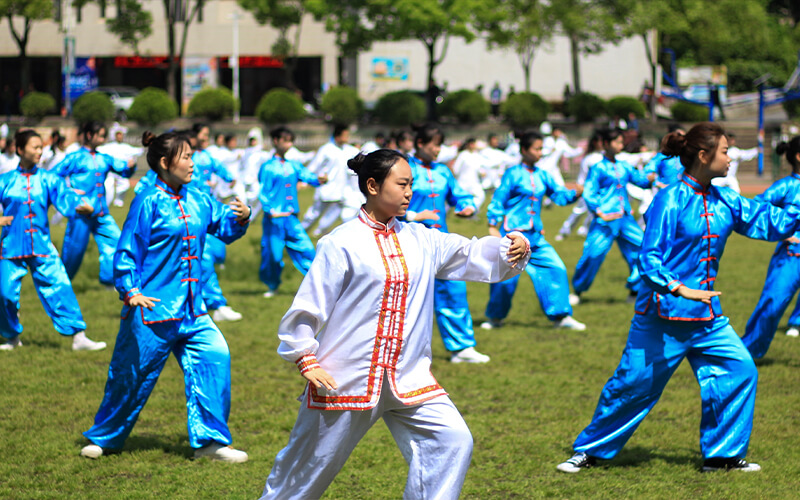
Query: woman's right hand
{"points": [[426, 215], [320, 378], [6, 220], [141, 300], [703, 296], [609, 217]]}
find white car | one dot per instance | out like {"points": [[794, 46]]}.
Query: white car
{"points": [[122, 98]]}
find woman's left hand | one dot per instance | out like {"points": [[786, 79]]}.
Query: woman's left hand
{"points": [[84, 209], [518, 250], [466, 212], [241, 210], [6, 220]]}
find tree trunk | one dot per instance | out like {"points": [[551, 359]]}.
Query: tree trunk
{"points": [[172, 88], [432, 87], [576, 69], [22, 44], [652, 100]]}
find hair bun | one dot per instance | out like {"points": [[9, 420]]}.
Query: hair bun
{"points": [[674, 144], [356, 162], [782, 148], [147, 138]]}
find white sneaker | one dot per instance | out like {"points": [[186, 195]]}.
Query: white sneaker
{"points": [[582, 232], [491, 324], [469, 355], [225, 313], [560, 237], [269, 294], [570, 323], [11, 344], [92, 451], [576, 463], [222, 453], [574, 299], [791, 332], [80, 342]]}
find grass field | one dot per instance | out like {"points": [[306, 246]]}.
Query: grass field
{"points": [[524, 408]]}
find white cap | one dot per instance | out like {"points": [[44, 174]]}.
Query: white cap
{"points": [[3, 131], [117, 128], [545, 128]]}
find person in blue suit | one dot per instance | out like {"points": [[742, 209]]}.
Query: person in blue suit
{"points": [[157, 273], [435, 188], [783, 275], [667, 169], [516, 206], [281, 228], [25, 195], [607, 198], [678, 313], [86, 170]]}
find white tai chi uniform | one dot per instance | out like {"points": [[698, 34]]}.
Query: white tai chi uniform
{"points": [[336, 195], [736, 156], [495, 161], [553, 149], [116, 185], [580, 208], [469, 171], [364, 313]]}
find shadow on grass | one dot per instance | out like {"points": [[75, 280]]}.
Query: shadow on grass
{"points": [[639, 456], [145, 443]]}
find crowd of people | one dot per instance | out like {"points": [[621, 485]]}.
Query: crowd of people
{"points": [[362, 318]]}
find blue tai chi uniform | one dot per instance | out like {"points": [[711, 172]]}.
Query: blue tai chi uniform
{"points": [[783, 275], [87, 172], [434, 189], [159, 256], [517, 203], [25, 244], [281, 228], [604, 193], [687, 228], [668, 169]]}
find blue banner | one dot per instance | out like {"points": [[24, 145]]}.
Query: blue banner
{"points": [[82, 79]]}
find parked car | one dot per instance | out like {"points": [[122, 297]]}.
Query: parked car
{"points": [[122, 98]]}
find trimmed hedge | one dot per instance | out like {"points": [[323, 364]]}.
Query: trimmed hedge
{"points": [[153, 106], [280, 106], [622, 106], [93, 106], [213, 104], [585, 107], [400, 109], [342, 106], [683, 111], [37, 105], [525, 109], [792, 108], [466, 106]]}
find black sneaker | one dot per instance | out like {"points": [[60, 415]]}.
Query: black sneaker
{"points": [[726, 464], [576, 463]]}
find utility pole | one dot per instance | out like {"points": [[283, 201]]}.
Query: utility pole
{"points": [[234, 64], [68, 54]]}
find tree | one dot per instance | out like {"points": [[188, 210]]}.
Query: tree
{"points": [[523, 26], [132, 23], [30, 11], [281, 15], [178, 12]]}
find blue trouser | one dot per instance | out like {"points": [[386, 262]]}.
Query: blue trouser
{"points": [[76, 238], [794, 318], [628, 236], [279, 233], [140, 354], [54, 290], [213, 253], [783, 280], [723, 368], [549, 276], [452, 314]]}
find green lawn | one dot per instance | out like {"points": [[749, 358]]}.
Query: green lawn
{"points": [[524, 408]]}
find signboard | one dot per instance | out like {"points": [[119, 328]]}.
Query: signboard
{"points": [[82, 78], [389, 68], [198, 73]]}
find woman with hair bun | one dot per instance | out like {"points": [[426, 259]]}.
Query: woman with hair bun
{"points": [[25, 195], [360, 330], [783, 275], [157, 272], [678, 313]]}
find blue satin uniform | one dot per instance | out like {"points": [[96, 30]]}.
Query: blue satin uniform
{"points": [[668, 169], [87, 172], [434, 189], [687, 229], [517, 203], [604, 192], [783, 275], [159, 256], [25, 244], [281, 228]]}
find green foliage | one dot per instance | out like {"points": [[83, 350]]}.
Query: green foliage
{"points": [[37, 105], [213, 104], [400, 109], [132, 24], [792, 108], [524, 109], [742, 72], [586, 107], [466, 106], [93, 106], [280, 106], [622, 106], [688, 112], [342, 105], [153, 106], [30, 9]]}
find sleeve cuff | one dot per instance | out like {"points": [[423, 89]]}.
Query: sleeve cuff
{"points": [[673, 285], [133, 292], [307, 363]]}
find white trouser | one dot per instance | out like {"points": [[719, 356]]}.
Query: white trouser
{"points": [[578, 210], [432, 436], [325, 211], [116, 187]]}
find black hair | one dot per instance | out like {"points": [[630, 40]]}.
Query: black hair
{"points": [[402, 135], [338, 129], [611, 134], [597, 135], [92, 128], [791, 149], [527, 139], [167, 145], [197, 127], [229, 138], [702, 137], [427, 133], [281, 131], [22, 137], [375, 165], [467, 143]]}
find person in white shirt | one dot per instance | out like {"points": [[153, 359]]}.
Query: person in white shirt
{"points": [[555, 147], [594, 155], [377, 142], [116, 186], [736, 155], [495, 162], [359, 331], [469, 171]]}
